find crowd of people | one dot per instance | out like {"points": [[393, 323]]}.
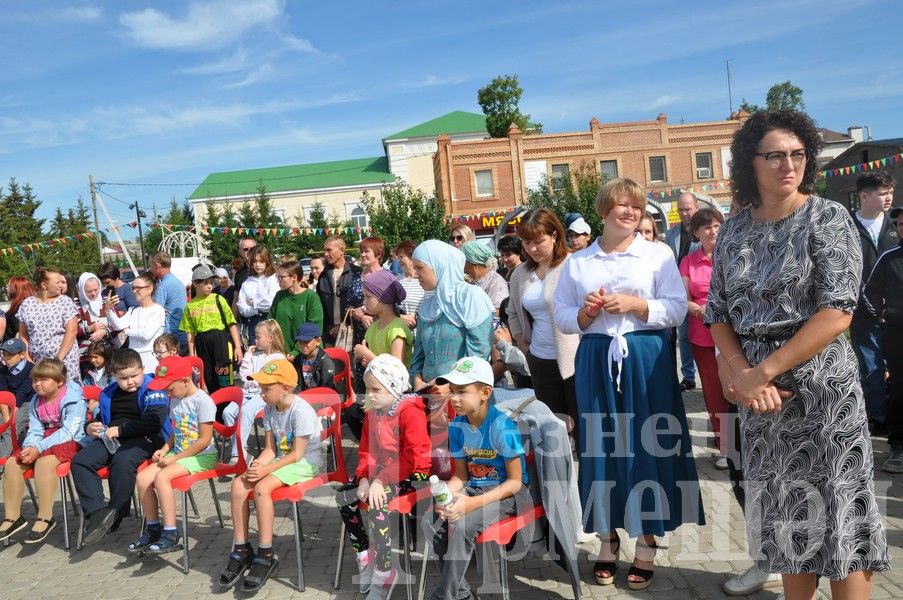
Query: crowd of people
{"points": [[451, 342]]}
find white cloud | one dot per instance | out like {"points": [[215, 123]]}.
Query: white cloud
{"points": [[295, 43], [229, 64], [82, 13], [206, 25], [261, 73], [660, 102]]}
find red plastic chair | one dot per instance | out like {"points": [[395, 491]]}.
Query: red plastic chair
{"points": [[220, 469], [296, 493], [500, 533], [340, 357], [8, 400], [197, 363]]}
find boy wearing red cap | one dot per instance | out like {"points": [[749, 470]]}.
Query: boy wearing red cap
{"points": [[190, 449], [291, 455]]}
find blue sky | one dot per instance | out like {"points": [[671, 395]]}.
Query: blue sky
{"points": [[167, 92]]}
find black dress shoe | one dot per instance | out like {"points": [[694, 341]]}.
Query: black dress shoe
{"points": [[101, 521], [687, 384]]}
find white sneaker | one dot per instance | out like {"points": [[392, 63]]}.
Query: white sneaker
{"points": [[585, 538], [749, 581], [721, 463]]}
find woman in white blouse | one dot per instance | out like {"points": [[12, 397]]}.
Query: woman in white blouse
{"points": [[257, 292], [550, 353], [142, 324], [622, 294]]}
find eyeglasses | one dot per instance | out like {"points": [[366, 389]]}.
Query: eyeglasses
{"points": [[777, 158], [456, 238], [284, 276], [140, 287], [248, 249]]}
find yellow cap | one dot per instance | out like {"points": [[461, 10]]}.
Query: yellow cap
{"points": [[277, 371]]}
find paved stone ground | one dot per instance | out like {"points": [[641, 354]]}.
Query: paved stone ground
{"points": [[696, 563]]}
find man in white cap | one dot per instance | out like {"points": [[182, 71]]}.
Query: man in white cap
{"points": [[579, 234]]}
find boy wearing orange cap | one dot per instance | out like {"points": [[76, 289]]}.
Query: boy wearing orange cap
{"points": [[291, 455]]}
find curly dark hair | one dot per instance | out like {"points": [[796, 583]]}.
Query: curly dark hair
{"points": [[746, 144]]}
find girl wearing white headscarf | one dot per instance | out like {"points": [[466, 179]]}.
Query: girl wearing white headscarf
{"points": [[454, 321]]}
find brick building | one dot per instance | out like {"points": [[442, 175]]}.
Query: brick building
{"points": [[495, 174], [877, 154]]}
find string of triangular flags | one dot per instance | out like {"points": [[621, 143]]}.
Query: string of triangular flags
{"points": [[871, 165], [708, 187], [264, 231], [62, 241]]}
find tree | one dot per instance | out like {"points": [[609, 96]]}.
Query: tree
{"points": [[18, 226], [221, 247], [579, 196], [780, 96], [75, 256], [404, 213], [500, 103], [783, 96], [266, 215]]}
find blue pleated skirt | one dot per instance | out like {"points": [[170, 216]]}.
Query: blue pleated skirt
{"points": [[636, 460]]}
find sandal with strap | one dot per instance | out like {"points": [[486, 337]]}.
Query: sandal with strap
{"points": [[643, 554], [149, 536], [238, 564], [168, 542], [36, 537], [14, 528], [604, 571], [261, 569]]}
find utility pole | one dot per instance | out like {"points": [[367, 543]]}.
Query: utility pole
{"points": [[140, 213], [730, 99], [96, 221]]}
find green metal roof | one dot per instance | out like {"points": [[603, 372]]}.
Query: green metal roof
{"points": [[337, 173], [454, 122]]}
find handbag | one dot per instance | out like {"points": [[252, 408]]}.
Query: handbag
{"points": [[344, 338]]}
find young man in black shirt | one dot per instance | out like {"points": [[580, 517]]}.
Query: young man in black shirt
{"points": [[137, 418]]}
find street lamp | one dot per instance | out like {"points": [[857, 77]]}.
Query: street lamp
{"points": [[140, 213]]}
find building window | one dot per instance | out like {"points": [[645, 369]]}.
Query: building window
{"points": [[704, 165], [485, 184], [657, 169], [561, 177], [357, 216], [608, 169]]}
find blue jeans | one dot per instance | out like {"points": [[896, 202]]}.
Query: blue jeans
{"points": [[864, 335], [687, 366]]}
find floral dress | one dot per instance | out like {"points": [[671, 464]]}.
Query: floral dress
{"points": [[810, 498], [46, 325], [354, 298]]}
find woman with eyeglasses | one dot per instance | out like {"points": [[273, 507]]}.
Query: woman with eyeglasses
{"points": [[142, 324], [785, 282]]}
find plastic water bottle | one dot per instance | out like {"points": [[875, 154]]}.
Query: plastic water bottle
{"points": [[441, 494], [112, 444]]}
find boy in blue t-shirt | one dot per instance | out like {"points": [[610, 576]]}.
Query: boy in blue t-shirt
{"points": [[490, 469], [15, 378]]}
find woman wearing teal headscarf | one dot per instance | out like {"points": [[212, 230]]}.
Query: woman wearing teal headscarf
{"points": [[454, 321]]}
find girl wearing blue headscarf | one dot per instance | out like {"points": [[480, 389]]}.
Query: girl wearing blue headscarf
{"points": [[454, 321]]}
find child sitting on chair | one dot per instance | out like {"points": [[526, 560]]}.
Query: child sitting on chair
{"points": [[490, 469], [190, 449], [394, 452], [291, 455]]}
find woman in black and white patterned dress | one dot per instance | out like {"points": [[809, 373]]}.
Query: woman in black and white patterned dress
{"points": [[784, 287]]}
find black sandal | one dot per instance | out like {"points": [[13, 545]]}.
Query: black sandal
{"points": [[14, 528], [604, 571], [261, 569], [36, 537], [644, 574], [238, 564]]}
